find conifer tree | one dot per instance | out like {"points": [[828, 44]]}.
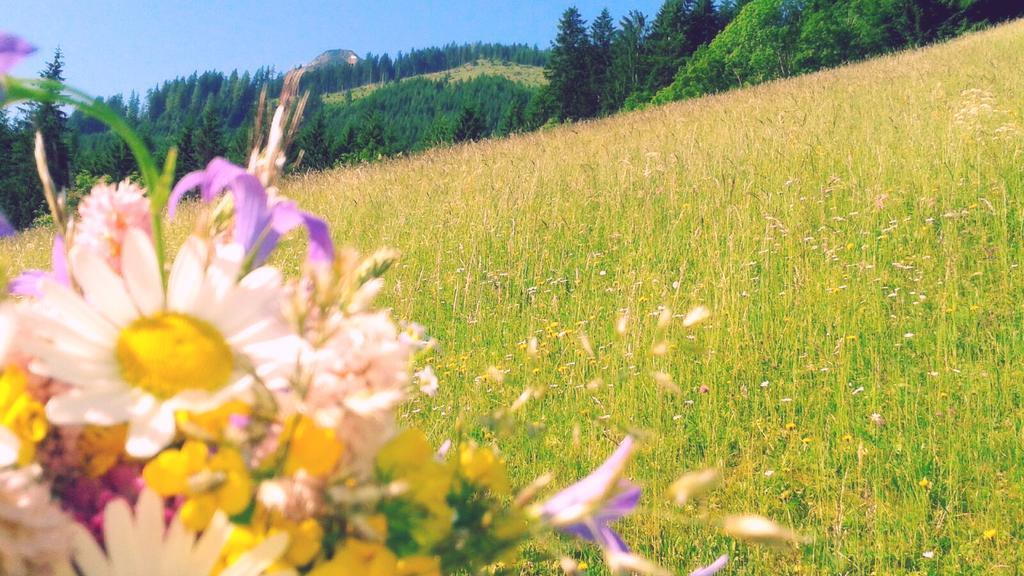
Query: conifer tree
{"points": [[209, 138], [668, 43], [51, 121], [704, 25], [188, 158], [315, 144], [602, 35], [629, 56], [469, 126], [21, 197], [441, 131], [568, 69], [371, 140]]}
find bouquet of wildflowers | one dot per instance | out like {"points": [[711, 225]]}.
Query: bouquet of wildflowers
{"points": [[189, 410]]}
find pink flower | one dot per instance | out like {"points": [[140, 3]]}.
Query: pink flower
{"points": [[106, 215], [363, 368], [358, 378], [427, 381], [35, 535]]}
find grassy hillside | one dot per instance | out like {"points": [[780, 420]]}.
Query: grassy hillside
{"points": [[858, 235], [528, 75]]}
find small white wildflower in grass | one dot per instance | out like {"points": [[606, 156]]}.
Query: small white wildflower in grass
{"points": [[427, 381]]}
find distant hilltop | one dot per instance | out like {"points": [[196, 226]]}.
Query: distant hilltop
{"points": [[333, 56]]}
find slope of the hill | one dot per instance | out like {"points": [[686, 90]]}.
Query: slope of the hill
{"points": [[858, 235], [519, 73]]}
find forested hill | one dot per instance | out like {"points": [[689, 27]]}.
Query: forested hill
{"points": [[475, 86], [231, 97]]}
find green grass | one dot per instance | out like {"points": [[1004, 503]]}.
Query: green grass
{"points": [[524, 74], [858, 236]]}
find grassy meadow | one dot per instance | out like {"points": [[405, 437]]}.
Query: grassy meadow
{"points": [[858, 235]]}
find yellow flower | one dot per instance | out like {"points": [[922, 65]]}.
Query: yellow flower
{"points": [[210, 482], [482, 466], [169, 472], [419, 566], [305, 541], [406, 452], [990, 534], [313, 449], [409, 458], [359, 557], [21, 414], [211, 425], [101, 447], [925, 483], [790, 426]]}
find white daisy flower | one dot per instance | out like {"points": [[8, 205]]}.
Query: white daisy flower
{"points": [[142, 545], [136, 353]]}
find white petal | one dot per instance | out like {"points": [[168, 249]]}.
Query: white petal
{"points": [[89, 558], [74, 311], [55, 332], [177, 547], [103, 288], [255, 561], [255, 297], [9, 447], [100, 408], [119, 537], [150, 431], [210, 544], [92, 375], [149, 521], [142, 272], [203, 401], [186, 279]]}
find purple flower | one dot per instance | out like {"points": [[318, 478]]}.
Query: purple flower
{"points": [[712, 568], [260, 221], [586, 508], [27, 283], [12, 50], [5, 227]]}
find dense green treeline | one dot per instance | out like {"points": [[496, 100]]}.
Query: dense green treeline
{"points": [[412, 115], [696, 47]]}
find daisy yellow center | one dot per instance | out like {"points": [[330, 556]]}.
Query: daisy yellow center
{"points": [[168, 353]]}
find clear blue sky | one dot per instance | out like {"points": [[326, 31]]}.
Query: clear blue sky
{"points": [[118, 46]]}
